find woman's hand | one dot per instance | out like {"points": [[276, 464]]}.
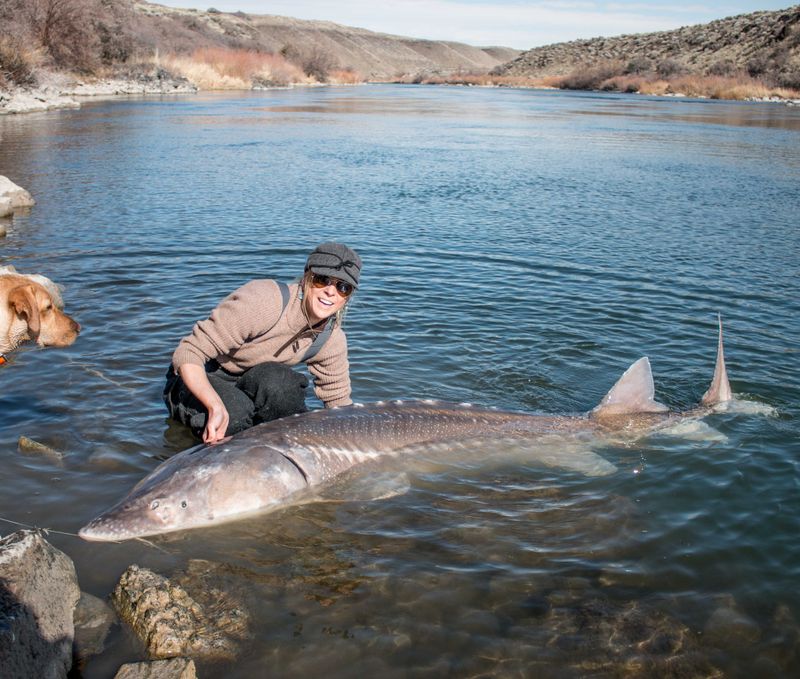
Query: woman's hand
{"points": [[196, 380], [217, 423]]}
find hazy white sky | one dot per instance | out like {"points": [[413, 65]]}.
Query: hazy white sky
{"points": [[510, 23]]}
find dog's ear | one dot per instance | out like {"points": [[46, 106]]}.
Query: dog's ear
{"points": [[22, 300]]}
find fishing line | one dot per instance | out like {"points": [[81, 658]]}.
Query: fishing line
{"points": [[47, 531]]}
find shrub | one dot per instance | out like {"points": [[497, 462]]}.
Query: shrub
{"points": [[757, 66], [116, 46], [623, 83], [16, 64], [638, 65], [316, 62], [64, 28], [591, 78], [725, 68], [670, 67]]}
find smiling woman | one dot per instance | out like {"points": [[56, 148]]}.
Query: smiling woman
{"points": [[234, 369]]}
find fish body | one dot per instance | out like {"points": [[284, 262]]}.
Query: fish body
{"points": [[274, 464]]}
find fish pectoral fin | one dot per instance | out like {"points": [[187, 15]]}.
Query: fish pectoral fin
{"points": [[634, 392], [363, 488], [574, 458], [693, 430]]}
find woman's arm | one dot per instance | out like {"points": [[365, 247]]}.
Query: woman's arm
{"points": [[195, 378]]}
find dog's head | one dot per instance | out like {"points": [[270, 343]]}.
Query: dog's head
{"points": [[33, 313]]}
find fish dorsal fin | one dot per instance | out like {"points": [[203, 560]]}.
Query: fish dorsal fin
{"points": [[633, 393], [720, 389]]}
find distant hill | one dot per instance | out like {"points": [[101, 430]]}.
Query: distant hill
{"points": [[764, 44], [145, 25]]}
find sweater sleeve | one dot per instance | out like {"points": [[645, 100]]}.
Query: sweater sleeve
{"points": [[244, 314], [331, 371]]}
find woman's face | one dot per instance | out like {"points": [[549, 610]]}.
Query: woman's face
{"points": [[322, 302]]}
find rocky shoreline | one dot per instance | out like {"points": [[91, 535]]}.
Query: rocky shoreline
{"points": [[59, 92], [48, 626]]}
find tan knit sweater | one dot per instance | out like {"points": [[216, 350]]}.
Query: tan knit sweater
{"points": [[247, 328]]}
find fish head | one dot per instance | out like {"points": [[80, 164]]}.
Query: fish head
{"points": [[196, 488], [160, 503]]}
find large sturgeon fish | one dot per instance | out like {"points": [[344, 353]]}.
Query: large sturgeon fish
{"points": [[274, 464]]}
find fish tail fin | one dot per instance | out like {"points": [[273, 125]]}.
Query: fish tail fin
{"points": [[720, 389], [634, 392]]}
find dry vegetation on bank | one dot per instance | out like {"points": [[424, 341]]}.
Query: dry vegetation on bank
{"points": [[104, 39], [615, 77]]}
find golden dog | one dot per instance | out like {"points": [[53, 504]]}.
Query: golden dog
{"points": [[31, 310]]}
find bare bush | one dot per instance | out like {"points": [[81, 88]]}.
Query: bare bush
{"points": [[315, 61], [724, 68], [16, 64], [670, 67], [757, 66], [591, 78], [63, 28], [638, 65]]}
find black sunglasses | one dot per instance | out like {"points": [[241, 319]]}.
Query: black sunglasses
{"points": [[344, 288]]}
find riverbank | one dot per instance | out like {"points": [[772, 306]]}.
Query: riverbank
{"points": [[55, 91], [31, 100], [734, 88]]}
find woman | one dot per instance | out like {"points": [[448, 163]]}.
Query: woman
{"points": [[233, 370]]}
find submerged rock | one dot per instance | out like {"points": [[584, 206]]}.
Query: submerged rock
{"points": [[208, 625], [93, 618], [728, 628], [38, 593], [625, 640], [31, 447], [175, 668]]}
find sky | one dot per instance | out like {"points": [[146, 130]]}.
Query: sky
{"points": [[521, 24]]}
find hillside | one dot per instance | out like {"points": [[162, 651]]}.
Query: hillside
{"points": [[146, 27], [762, 44]]}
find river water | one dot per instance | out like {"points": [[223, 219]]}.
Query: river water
{"points": [[521, 249]]}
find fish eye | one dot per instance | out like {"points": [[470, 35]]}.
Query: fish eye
{"points": [[154, 504], [183, 504]]}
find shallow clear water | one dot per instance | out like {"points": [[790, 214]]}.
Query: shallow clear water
{"points": [[521, 249]]}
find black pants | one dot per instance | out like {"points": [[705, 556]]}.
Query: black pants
{"points": [[263, 393]]}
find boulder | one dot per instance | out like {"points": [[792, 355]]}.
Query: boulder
{"points": [[38, 593], [171, 623], [16, 195], [93, 618], [21, 100], [175, 668], [730, 629]]}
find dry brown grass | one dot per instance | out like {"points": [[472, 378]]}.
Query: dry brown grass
{"points": [[218, 68], [345, 77], [18, 62], [472, 79], [740, 86]]}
